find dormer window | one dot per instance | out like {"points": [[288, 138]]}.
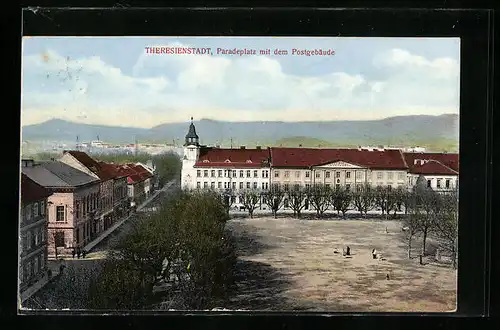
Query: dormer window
{"points": [[227, 161], [249, 161], [206, 161]]}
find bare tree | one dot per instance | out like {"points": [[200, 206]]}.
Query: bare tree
{"points": [[446, 226], [411, 227], [250, 200], [227, 198], [274, 199], [318, 196], [340, 198], [428, 202], [363, 198], [386, 200], [297, 201], [56, 239]]}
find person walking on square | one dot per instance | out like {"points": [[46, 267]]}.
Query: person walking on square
{"points": [[73, 253], [78, 253], [84, 253]]}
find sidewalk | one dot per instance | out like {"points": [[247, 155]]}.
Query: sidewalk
{"points": [[108, 231], [29, 292]]}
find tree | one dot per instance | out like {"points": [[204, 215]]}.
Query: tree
{"points": [[340, 199], [250, 200], [318, 196], [227, 197], [363, 198], [183, 248], [168, 167], [274, 199], [386, 199], [56, 239], [297, 201], [447, 225], [428, 202], [411, 227]]}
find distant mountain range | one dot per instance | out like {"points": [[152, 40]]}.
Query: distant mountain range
{"points": [[438, 132]]}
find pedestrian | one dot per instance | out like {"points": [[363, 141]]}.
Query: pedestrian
{"points": [[374, 254], [84, 253], [78, 253], [73, 253], [348, 251]]}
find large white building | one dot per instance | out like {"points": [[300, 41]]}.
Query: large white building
{"points": [[260, 168]]}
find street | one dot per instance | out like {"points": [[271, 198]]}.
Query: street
{"points": [[67, 290]]}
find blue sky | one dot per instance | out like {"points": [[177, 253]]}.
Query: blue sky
{"points": [[113, 81]]}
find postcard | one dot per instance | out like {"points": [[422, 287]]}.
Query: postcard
{"points": [[239, 173]]}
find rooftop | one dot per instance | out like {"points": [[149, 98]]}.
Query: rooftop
{"points": [[32, 191]]}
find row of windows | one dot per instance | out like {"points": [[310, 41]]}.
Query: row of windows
{"points": [[32, 268], [328, 174], [86, 205], [227, 185], [33, 210], [33, 239], [233, 173], [439, 183]]}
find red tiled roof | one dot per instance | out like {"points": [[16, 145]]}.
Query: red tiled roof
{"points": [[449, 160], [433, 167], [306, 157], [32, 191], [216, 157], [91, 164], [111, 169]]}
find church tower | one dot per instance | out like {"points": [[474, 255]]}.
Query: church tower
{"points": [[190, 157]]}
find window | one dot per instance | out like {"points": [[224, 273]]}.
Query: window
{"points": [[380, 175], [219, 185], [248, 173], [337, 175], [248, 185], [35, 265], [438, 183], [37, 237], [28, 240], [267, 185], [429, 183], [447, 183], [297, 174], [318, 174], [205, 173], [308, 174], [28, 270], [264, 174], [401, 176], [263, 185], [225, 185], [77, 209], [255, 185], [287, 174], [60, 213], [205, 184], [59, 238], [212, 185], [212, 173], [241, 173], [389, 175], [241, 185], [348, 175], [234, 185], [287, 186], [255, 173], [42, 261], [389, 186], [219, 173], [327, 174], [35, 210], [359, 174], [28, 212], [44, 239], [198, 173], [276, 174], [308, 185]]}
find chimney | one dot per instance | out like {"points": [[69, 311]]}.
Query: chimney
{"points": [[258, 147], [300, 145], [242, 147]]}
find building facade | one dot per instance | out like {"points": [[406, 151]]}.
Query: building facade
{"points": [[72, 207], [33, 231], [240, 169]]}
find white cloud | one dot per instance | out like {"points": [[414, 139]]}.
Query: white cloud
{"points": [[166, 88]]}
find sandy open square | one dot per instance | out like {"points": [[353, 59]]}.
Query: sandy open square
{"points": [[290, 264]]}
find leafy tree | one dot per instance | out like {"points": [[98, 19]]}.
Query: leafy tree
{"points": [[363, 198], [168, 166], [274, 198], [250, 200], [297, 201], [318, 196], [340, 199]]}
